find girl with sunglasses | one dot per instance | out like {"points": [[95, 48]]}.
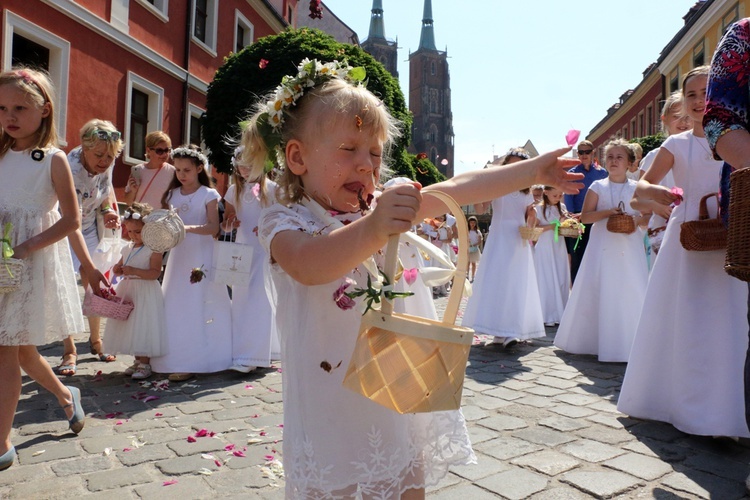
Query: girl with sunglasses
{"points": [[149, 181], [144, 333], [91, 164]]}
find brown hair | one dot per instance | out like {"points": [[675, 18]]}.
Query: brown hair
{"points": [[203, 177], [517, 153], [40, 92]]}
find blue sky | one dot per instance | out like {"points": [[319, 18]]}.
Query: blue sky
{"points": [[531, 69]]}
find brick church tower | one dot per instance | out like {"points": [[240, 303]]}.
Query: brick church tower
{"points": [[377, 45], [430, 99]]}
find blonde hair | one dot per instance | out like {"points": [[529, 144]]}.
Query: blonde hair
{"points": [[621, 143], [154, 138], [675, 98], [40, 92], [331, 103], [89, 139]]}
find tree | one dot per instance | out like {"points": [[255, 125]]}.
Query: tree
{"points": [[256, 70], [649, 142]]}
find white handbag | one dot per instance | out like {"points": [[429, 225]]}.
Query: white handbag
{"points": [[231, 263]]}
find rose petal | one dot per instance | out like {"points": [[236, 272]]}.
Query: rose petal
{"points": [[229, 447], [572, 137], [238, 453], [150, 398], [170, 482], [157, 414], [201, 433], [191, 439]]}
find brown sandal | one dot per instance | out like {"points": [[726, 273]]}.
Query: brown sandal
{"points": [[106, 358], [67, 368]]}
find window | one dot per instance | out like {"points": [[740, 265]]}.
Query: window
{"points": [[290, 15], [699, 55], [143, 114], [27, 43], [194, 133], [204, 24], [633, 131], [641, 131], [244, 33], [432, 68], [674, 80], [731, 16], [649, 120], [433, 100], [433, 133], [160, 8]]}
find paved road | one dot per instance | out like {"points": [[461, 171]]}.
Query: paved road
{"points": [[543, 423]]}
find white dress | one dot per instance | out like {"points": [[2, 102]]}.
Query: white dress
{"points": [[688, 356], [144, 333], [602, 313], [199, 326], [506, 302], [254, 338], [336, 441], [552, 267], [46, 306]]}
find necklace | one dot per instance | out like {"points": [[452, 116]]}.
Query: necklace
{"points": [[709, 155], [185, 207], [612, 197], [133, 254]]}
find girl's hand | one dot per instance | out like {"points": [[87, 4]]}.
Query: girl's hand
{"points": [[231, 222], [128, 270], [664, 211], [20, 252], [615, 211], [132, 184], [396, 210], [552, 170], [117, 269], [663, 195]]}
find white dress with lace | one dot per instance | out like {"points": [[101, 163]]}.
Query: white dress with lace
{"points": [[46, 307], [338, 444]]}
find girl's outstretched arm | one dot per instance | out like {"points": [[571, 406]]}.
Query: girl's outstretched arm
{"points": [[89, 274], [211, 227], [648, 186], [62, 181], [487, 184], [318, 259]]}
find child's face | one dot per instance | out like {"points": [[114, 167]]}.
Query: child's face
{"points": [[340, 166], [554, 195], [472, 224], [20, 117], [675, 121], [695, 97], [618, 160], [186, 171], [134, 228], [537, 193], [98, 159], [244, 171]]}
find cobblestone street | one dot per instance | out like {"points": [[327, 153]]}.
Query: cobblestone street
{"points": [[543, 424]]}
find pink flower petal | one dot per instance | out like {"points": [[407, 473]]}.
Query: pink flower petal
{"points": [[119, 422], [572, 137], [263, 63], [410, 275], [150, 398], [127, 449], [238, 453], [248, 386], [269, 457], [157, 414], [262, 433], [229, 447], [218, 463], [191, 439], [202, 433], [170, 482]]}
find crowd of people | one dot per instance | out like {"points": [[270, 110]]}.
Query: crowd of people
{"points": [[323, 134]]}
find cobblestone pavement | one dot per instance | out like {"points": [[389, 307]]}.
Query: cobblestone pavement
{"points": [[543, 424]]}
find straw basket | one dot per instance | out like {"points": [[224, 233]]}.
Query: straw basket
{"points": [[530, 233], [621, 223], [704, 234], [10, 274], [738, 236], [162, 230], [114, 308], [411, 364]]}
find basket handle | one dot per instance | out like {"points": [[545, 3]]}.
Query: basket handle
{"points": [[454, 300], [703, 208]]}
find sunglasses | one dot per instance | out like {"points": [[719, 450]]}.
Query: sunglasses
{"points": [[585, 152], [161, 151], [107, 136], [131, 215]]}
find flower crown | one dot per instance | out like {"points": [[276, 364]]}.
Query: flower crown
{"points": [[182, 152], [292, 88]]}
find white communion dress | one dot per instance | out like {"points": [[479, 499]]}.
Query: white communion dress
{"points": [[687, 362], [552, 267]]}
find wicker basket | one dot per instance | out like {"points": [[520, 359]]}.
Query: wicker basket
{"points": [[738, 236], [530, 233], [114, 308], [411, 364], [569, 232], [10, 274], [162, 230], [621, 223], [704, 234]]}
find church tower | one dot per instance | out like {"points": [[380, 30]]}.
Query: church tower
{"points": [[430, 99], [377, 45]]}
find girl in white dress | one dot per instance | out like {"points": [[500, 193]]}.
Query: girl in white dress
{"points": [[475, 246], [505, 302], [36, 180], [602, 313], [199, 327], [333, 132], [254, 339], [551, 257], [688, 355], [143, 334]]}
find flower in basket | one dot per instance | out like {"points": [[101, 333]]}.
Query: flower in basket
{"points": [[108, 294], [573, 224], [197, 274], [375, 291], [341, 298], [7, 248]]}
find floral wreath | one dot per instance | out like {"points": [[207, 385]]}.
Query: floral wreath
{"points": [[292, 88], [182, 152]]}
